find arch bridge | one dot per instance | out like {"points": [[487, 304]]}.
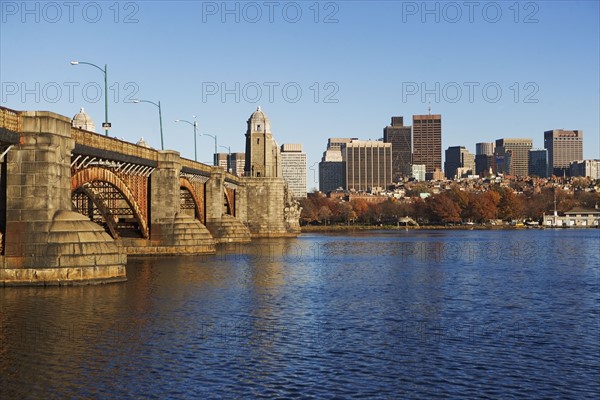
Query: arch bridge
{"points": [[74, 203]]}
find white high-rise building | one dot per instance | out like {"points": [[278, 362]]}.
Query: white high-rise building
{"points": [[293, 168]]}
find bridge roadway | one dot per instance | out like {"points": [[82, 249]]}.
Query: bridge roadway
{"points": [[74, 204]]}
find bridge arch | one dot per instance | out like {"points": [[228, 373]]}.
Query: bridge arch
{"points": [[188, 191], [229, 195], [102, 207], [83, 180]]}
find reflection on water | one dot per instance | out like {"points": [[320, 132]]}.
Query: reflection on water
{"points": [[389, 314]]}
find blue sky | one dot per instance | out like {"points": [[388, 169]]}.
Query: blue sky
{"points": [[318, 69]]}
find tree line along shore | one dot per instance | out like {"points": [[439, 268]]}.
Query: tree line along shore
{"points": [[498, 207]]}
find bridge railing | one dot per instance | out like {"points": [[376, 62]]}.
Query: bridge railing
{"points": [[232, 178], [187, 163], [10, 119], [195, 165], [102, 142]]}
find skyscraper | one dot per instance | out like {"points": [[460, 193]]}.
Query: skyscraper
{"points": [[484, 155], [368, 164], [458, 157], [293, 168], [400, 137], [262, 152], [589, 168], [427, 141], [538, 163], [238, 161], [332, 168], [512, 156], [486, 148], [563, 147], [222, 160]]}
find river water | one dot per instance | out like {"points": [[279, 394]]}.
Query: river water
{"points": [[404, 314]]}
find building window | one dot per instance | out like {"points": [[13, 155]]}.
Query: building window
{"points": [[257, 141], [258, 127]]}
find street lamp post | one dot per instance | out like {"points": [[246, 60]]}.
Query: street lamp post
{"points": [[194, 124], [162, 144], [228, 157], [106, 124], [214, 137]]}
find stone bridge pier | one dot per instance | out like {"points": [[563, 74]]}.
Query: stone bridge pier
{"points": [[225, 209], [45, 242], [172, 232]]}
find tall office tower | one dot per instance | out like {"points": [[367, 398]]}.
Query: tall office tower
{"points": [[262, 152], [589, 168], [293, 168], [400, 137], [222, 160], [368, 164], [238, 161], [486, 148], [484, 156], [332, 168], [458, 157], [427, 141], [563, 147], [538, 163], [483, 163], [512, 156]]}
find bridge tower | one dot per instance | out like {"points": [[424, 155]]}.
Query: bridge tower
{"points": [[270, 209], [263, 158]]}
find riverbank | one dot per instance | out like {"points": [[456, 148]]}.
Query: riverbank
{"points": [[341, 228], [346, 228]]}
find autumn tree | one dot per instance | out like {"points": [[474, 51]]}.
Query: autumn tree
{"points": [[510, 206], [324, 214], [344, 212], [443, 208], [483, 206]]}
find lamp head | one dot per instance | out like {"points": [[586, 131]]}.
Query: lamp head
{"points": [[74, 62]]}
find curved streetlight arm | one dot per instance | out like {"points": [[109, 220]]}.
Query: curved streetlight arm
{"points": [[88, 63], [105, 71], [214, 137], [187, 122], [194, 124], [145, 101], [162, 143]]}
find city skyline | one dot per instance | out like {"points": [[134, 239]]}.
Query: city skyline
{"points": [[354, 96]]}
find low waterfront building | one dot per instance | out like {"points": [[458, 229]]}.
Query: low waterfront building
{"points": [[577, 217]]}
